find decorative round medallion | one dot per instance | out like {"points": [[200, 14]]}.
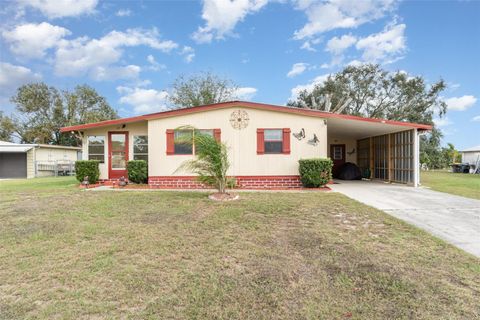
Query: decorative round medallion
{"points": [[239, 119]]}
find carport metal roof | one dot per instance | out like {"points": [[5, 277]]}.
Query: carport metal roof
{"points": [[20, 147], [15, 147]]}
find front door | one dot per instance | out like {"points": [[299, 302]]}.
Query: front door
{"points": [[117, 154], [337, 154]]}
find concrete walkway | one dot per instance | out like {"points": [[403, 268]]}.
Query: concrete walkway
{"points": [[452, 218]]}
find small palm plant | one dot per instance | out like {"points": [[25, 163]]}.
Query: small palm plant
{"points": [[211, 163]]}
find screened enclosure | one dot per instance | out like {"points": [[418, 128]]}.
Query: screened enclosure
{"points": [[388, 157]]}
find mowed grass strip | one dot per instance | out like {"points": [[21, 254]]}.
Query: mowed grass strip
{"points": [[67, 253], [460, 184]]}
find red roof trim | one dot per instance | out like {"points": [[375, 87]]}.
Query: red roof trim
{"points": [[253, 105]]}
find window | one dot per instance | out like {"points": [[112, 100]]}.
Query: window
{"points": [[183, 143], [206, 132], [337, 153], [273, 140], [140, 148], [96, 148]]}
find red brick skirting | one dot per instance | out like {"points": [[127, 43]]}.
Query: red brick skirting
{"points": [[243, 182]]}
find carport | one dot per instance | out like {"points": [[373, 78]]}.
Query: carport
{"points": [[383, 149]]}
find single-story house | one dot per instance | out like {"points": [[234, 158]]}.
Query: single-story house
{"points": [[472, 157], [265, 143], [33, 160]]}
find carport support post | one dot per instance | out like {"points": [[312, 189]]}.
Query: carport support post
{"points": [[416, 158], [389, 153], [371, 158]]}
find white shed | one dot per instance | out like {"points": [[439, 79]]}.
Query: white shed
{"points": [[471, 156], [34, 160]]}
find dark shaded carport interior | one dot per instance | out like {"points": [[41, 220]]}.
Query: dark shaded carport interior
{"points": [[384, 151], [13, 165]]}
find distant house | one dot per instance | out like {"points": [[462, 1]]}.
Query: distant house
{"points": [[471, 156], [33, 160], [265, 143]]}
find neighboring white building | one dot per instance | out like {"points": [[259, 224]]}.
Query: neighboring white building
{"points": [[471, 156], [265, 143], [34, 160]]}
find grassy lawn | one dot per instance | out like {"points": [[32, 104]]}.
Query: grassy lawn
{"points": [[461, 184], [71, 254]]}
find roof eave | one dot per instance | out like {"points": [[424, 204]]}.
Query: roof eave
{"points": [[254, 105]]}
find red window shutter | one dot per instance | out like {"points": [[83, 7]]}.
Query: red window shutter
{"points": [[170, 141], [286, 141], [217, 134], [260, 141]]}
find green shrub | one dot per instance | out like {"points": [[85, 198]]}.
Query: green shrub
{"points": [[315, 172], [137, 171], [87, 168]]}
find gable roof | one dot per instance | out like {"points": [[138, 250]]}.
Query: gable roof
{"points": [[243, 104]]}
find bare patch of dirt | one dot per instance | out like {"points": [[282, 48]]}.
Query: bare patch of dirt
{"points": [[224, 197]]}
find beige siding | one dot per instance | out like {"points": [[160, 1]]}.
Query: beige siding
{"points": [[134, 129], [31, 163], [242, 143], [350, 145], [54, 154]]}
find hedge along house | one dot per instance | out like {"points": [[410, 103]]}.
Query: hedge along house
{"points": [[265, 143]]}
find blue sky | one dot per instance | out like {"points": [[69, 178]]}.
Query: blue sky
{"points": [[131, 52]]}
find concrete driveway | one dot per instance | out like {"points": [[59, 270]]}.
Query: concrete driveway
{"points": [[452, 218]]}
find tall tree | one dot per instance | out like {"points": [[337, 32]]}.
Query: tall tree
{"points": [[7, 128], [370, 91], [200, 89], [41, 111]]}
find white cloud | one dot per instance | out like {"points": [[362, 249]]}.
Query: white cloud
{"points": [[83, 55], [123, 13], [245, 93], [460, 103], [297, 69], [337, 45], [101, 73], [13, 76], [188, 53], [442, 122], [144, 100], [61, 8], [333, 14], [154, 65], [222, 16], [385, 46], [32, 40], [476, 119], [307, 45], [309, 86]]}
